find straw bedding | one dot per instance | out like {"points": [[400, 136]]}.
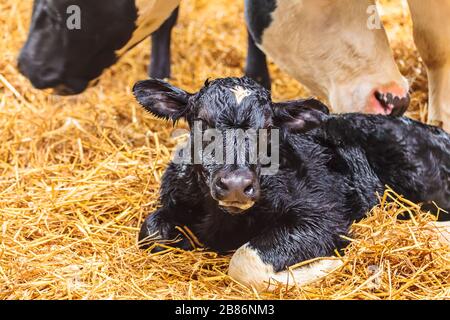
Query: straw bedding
{"points": [[79, 174]]}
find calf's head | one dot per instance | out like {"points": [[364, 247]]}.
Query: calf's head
{"points": [[223, 110]]}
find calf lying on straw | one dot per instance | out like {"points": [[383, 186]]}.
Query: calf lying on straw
{"points": [[294, 202]]}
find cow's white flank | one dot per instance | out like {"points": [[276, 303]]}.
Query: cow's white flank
{"points": [[344, 69], [247, 268]]}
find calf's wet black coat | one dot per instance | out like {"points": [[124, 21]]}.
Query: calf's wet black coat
{"points": [[331, 169]]}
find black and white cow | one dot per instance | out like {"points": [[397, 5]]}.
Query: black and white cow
{"points": [[339, 51], [331, 168], [67, 59], [327, 45]]}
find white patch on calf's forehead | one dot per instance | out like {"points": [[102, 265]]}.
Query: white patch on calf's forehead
{"points": [[240, 93]]}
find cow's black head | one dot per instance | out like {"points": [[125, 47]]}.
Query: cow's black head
{"points": [[59, 55], [220, 109]]}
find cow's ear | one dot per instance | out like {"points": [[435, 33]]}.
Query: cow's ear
{"points": [[300, 115], [161, 98]]}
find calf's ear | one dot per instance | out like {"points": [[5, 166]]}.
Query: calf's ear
{"points": [[161, 98], [300, 115]]}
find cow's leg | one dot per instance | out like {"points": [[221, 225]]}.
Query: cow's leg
{"points": [[262, 262], [160, 58], [256, 66], [431, 34], [160, 227]]}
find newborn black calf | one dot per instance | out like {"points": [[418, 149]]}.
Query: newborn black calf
{"points": [[331, 169]]}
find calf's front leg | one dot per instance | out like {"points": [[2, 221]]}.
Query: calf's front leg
{"points": [[161, 227], [262, 263]]}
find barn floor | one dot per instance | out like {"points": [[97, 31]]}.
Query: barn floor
{"points": [[78, 175]]}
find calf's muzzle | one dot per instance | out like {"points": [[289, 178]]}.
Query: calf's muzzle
{"points": [[236, 191]]}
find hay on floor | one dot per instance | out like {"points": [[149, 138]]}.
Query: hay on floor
{"points": [[79, 174]]}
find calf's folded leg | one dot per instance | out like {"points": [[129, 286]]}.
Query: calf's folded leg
{"points": [[160, 227], [262, 263], [254, 268], [247, 267]]}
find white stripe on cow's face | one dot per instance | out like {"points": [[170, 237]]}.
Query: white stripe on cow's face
{"points": [[247, 267], [151, 15], [240, 93]]}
